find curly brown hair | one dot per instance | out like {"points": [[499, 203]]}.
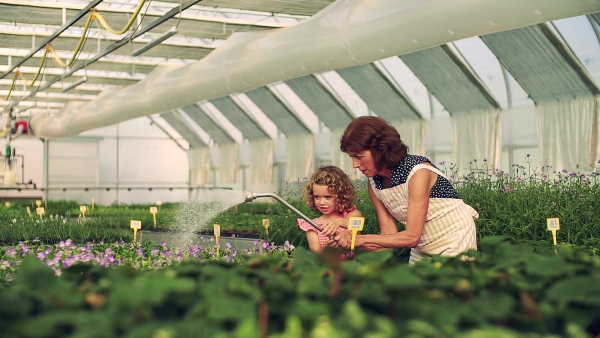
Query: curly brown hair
{"points": [[376, 135], [338, 184]]}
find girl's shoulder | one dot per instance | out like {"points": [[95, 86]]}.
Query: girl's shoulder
{"points": [[345, 213]]}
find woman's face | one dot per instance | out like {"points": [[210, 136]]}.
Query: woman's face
{"points": [[364, 162]]}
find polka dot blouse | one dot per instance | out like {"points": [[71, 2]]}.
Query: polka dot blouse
{"points": [[441, 189]]}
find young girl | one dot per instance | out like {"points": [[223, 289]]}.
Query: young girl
{"points": [[329, 192]]}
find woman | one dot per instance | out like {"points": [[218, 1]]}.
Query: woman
{"points": [[409, 189]]}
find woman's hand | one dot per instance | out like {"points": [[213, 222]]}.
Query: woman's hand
{"points": [[342, 240]]}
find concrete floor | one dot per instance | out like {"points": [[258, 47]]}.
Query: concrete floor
{"points": [[174, 238]]}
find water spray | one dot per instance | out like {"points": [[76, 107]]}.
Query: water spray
{"points": [[251, 196]]}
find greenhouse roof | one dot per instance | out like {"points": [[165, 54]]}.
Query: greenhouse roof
{"points": [[53, 54]]}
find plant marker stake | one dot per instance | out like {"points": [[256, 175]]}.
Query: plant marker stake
{"points": [[217, 233], [40, 211], [7, 204], [135, 225], [266, 223], [553, 225], [355, 224], [159, 203], [153, 211], [38, 203], [93, 202], [29, 212], [83, 209]]}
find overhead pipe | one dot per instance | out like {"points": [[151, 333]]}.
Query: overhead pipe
{"points": [[347, 33]]}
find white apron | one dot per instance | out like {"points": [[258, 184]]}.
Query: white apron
{"points": [[449, 226]]}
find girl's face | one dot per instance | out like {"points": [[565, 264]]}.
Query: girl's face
{"points": [[324, 200], [364, 162]]}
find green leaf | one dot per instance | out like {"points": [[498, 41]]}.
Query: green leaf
{"points": [[379, 257], [580, 289], [400, 278]]}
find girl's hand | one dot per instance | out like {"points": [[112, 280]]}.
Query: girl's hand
{"points": [[330, 226]]}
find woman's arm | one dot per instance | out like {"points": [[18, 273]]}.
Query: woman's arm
{"points": [[387, 222], [419, 188]]}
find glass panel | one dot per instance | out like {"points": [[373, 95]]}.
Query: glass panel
{"points": [[256, 113], [342, 91], [216, 115], [416, 91], [581, 38], [289, 97], [485, 64]]}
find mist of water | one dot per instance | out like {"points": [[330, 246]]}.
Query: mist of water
{"points": [[203, 206]]}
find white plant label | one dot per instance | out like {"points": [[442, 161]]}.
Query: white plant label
{"points": [[553, 224], [356, 223], [136, 224]]}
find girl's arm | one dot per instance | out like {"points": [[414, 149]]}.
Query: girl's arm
{"points": [[330, 226], [419, 188], [313, 241]]}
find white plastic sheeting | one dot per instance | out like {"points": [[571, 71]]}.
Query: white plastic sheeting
{"points": [[347, 33], [568, 133], [300, 156], [412, 133], [476, 140], [261, 161]]}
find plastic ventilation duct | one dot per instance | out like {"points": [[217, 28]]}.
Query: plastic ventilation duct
{"points": [[347, 33]]}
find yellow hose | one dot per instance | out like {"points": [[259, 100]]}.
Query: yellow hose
{"points": [[106, 26]]}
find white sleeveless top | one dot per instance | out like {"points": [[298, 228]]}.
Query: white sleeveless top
{"points": [[449, 226]]}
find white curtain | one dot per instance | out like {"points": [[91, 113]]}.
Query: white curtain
{"points": [[412, 133], [568, 133], [476, 136], [300, 156], [261, 161], [338, 158], [200, 166], [228, 163]]}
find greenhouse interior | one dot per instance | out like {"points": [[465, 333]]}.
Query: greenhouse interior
{"points": [[214, 115]]}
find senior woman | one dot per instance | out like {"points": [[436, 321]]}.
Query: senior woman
{"points": [[409, 189]]}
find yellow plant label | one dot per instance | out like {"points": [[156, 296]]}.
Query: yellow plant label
{"points": [[217, 230], [159, 203], [266, 223], [38, 203], [356, 223], [83, 209], [153, 210], [135, 224], [7, 204], [553, 224], [40, 211]]}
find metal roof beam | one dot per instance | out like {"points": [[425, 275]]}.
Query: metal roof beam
{"points": [[53, 36], [112, 47]]}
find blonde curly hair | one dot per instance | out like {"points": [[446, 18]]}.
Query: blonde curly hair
{"points": [[338, 184]]}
